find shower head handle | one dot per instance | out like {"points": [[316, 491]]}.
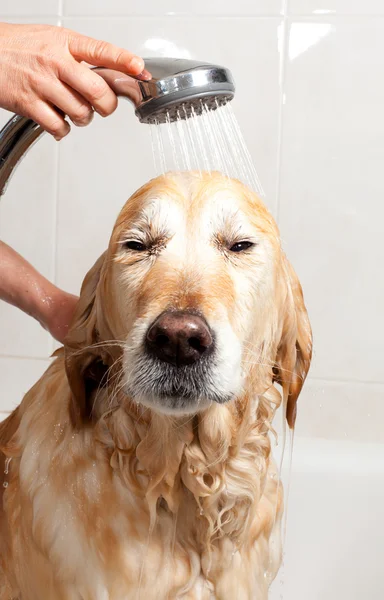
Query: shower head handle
{"points": [[179, 88]]}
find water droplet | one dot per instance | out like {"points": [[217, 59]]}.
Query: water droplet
{"points": [[5, 484], [6, 466]]}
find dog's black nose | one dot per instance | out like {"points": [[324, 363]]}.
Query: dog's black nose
{"points": [[179, 338]]}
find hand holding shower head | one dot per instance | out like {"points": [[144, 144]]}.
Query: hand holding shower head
{"points": [[178, 89]]}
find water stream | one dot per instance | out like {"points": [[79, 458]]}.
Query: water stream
{"points": [[210, 141]]}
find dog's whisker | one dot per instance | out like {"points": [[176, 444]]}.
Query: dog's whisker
{"points": [[118, 387], [97, 345], [270, 365], [106, 379]]}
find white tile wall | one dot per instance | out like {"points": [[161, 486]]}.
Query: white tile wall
{"points": [[309, 100], [27, 214], [345, 410], [172, 7], [331, 188], [17, 376], [29, 8]]}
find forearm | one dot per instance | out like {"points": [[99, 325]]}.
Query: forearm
{"points": [[21, 285], [24, 287]]}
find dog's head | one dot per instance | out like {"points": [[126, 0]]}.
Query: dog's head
{"points": [[194, 299]]}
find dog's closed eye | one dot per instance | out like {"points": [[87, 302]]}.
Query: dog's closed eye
{"points": [[241, 246], [147, 247], [135, 245]]}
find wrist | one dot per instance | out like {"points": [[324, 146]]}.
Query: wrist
{"points": [[4, 27], [56, 311], [42, 302]]}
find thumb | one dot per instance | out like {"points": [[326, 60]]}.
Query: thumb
{"points": [[103, 54]]}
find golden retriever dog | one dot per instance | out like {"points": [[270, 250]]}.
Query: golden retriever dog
{"points": [[139, 466]]}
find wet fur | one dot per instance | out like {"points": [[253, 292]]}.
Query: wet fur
{"points": [[109, 499]]}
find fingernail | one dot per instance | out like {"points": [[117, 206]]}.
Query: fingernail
{"points": [[145, 75], [84, 122], [137, 64]]}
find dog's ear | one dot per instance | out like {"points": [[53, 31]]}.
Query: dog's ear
{"points": [[85, 363], [294, 350]]}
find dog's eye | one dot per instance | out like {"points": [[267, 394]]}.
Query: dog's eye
{"points": [[134, 245], [240, 246]]}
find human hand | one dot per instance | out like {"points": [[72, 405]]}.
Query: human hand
{"points": [[41, 71]]}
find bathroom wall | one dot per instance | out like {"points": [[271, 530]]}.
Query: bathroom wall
{"points": [[310, 100]]}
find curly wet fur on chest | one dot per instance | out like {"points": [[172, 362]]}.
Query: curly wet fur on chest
{"points": [[180, 506]]}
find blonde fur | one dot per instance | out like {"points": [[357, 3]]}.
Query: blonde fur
{"points": [[109, 499]]}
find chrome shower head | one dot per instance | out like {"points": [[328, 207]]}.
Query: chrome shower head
{"points": [[179, 88]]}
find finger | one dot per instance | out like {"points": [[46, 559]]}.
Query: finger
{"points": [[103, 54], [69, 101], [50, 120], [90, 86]]}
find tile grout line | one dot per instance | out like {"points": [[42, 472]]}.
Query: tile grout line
{"points": [[341, 380], [282, 69], [310, 378], [335, 16], [16, 18], [310, 16], [172, 16], [60, 12], [23, 357], [55, 222]]}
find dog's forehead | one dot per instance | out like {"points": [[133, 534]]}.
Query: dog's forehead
{"points": [[194, 197]]}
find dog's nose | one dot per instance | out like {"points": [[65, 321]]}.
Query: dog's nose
{"points": [[179, 338]]}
